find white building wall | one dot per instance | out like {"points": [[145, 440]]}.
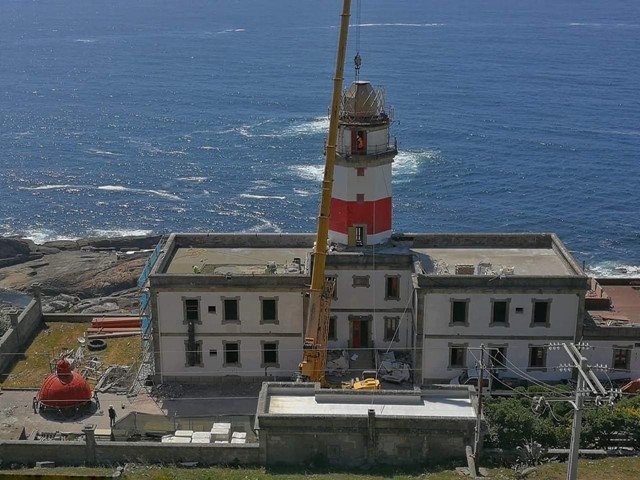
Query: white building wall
{"points": [[563, 315], [375, 184], [518, 335], [436, 358], [362, 301], [602, 353], [212, 331]]}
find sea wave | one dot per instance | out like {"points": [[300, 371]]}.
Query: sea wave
{"points": [[45, 235], [124, 232], [104, 153], [263, 197], [407, 163], [367, 25], [192, 179], [613, 270], [309, 172], [48, 187], [316, 126], [120, 188]]}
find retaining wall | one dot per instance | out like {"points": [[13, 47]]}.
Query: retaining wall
{"points": [[17, 336], [26, 452]]}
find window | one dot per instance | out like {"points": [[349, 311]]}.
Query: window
{"points": [[457, 356], [390, 327], [231, 354], [621, 358], [392, 287], [332, 328], [359, 197], [193, 352], [269, 310], [269, 354], [361, 281], [231, 310], [541, 310], [212, 309], [191, 308], [459, 312], [500, 312], [359, 232], [537, 357], [334, 279], [360, 171], [519, 310], [498, 357], [213, 353]]}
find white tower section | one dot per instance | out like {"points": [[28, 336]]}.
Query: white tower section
{"points": [[361, 212]]}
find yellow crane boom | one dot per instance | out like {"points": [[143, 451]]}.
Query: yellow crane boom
{"points": [[317, 331]]}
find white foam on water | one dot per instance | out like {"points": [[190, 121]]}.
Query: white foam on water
{"points": [[407, 163], [309, 172], [192, 179], [263, 197], [208, 147], [301, 193], [613, 269], [313, 127], [85, 40], [48, 187], [125, 232], [104, 153], [46, 235], [159, 193]]}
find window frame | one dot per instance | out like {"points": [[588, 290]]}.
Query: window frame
{"points": [[198, 351], [622, 348], [453, 301], [225, 350], [394, 323], [357, 280], [333, 322], [186, 299], [463, 364], [502, 350], [507, 308], [274, 321], [224, 309], [547, 322], [265, 364], [387, 293], [531, 367]]}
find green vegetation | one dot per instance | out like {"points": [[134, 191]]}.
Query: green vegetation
{"points": [[54, 338], [512, 421]]}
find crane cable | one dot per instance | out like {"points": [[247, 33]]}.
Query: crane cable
{"points": [[357, 60]]}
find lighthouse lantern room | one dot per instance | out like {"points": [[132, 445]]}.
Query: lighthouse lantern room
{"points": [[361, 209]]}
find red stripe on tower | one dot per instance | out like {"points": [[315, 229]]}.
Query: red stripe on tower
{"points": [[376, 215]]}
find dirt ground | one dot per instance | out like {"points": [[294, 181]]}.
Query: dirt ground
{"points": [[16, 410]]}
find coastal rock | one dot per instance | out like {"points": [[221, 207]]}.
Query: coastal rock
{"points": [[12, 247], [102, 308]]}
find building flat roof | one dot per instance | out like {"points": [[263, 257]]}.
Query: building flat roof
{"points": [[220, 261], [492, 261], [431, 406]]}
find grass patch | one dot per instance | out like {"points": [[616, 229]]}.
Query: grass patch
{"points": [[54, 338], [609, 468]]}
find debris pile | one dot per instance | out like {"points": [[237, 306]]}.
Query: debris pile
{"points": [[337, 362], [394, 369], [165, 390], [115, 379]]}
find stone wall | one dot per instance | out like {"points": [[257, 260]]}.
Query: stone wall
{"points": [[23, 325], [108, 453]]}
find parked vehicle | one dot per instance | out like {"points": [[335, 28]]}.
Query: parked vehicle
{"points": [[500, 380]]}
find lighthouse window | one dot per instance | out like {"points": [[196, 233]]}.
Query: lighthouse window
{"points": [[360, 171], [360, 197]]}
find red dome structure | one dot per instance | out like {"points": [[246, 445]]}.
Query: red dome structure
{"points": [[64, 388]]}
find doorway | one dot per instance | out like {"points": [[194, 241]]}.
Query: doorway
{"points": [[360, 333]]}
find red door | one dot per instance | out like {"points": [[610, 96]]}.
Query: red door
{"points": [[355, 334]]}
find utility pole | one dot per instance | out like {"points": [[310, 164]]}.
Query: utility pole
{"points": [[476, 440], [588, 383]]}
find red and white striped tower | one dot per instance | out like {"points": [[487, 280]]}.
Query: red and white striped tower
{"points": [[361, 199]]}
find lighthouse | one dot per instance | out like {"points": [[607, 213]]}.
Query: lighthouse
{"points": [[361, 202]]}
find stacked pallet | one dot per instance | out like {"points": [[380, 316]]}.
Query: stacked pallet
{"points": [[110, 327]]}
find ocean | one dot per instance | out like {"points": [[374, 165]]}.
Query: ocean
{"points": [[125, 117]]}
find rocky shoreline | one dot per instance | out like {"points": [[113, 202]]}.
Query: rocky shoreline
{"points": [[92, 275]]}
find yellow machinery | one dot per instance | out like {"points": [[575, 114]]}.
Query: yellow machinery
{"points": [[314, 361]]}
